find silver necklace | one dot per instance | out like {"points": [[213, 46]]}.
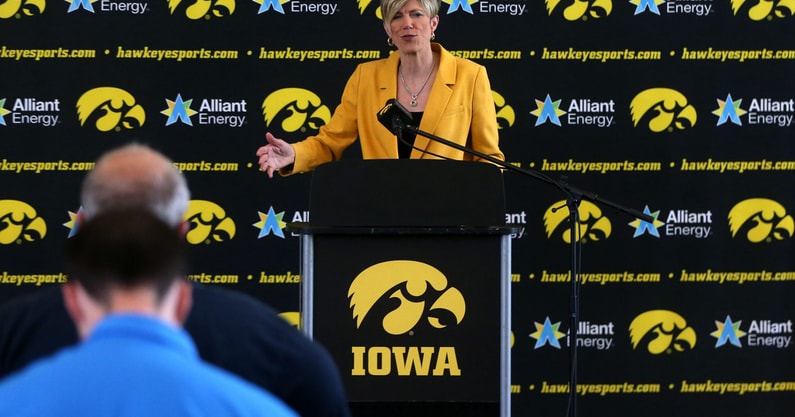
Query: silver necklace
{"points": [[413, 102]]}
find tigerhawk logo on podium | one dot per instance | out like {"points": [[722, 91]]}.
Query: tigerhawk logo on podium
{"points": [[661, 331], [209, 223], [22, 223], [761, 220], [662, 109], [594, 226], [764, 9], [424, 296], [203, 9], [295, 110], [581, 10], [110, 108], [19, 8]]}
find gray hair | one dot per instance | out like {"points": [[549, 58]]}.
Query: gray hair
{"points": [[136, 176]]}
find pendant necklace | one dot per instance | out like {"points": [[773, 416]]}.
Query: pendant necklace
{"points": [[413, 102]]}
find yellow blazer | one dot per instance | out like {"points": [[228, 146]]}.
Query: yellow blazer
{"points": [[460, 109]]}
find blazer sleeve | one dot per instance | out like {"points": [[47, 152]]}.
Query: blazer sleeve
{"points": [[333, 137], [485, 130]]}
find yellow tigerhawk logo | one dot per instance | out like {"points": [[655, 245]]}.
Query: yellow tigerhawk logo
{"points": [[297, 109], [292, 317], [593, 225], [208, 223], [582, 9], [204, 9], [420, 290], [762, 220], [11, 8], [363, 6], [20, 223], [665, 108], [664, 330], [765, 9], [505, 113], [110, 108]]}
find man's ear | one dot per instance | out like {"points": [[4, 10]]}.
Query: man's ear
{"points": [[69, 292], [184, 301], [183, 228]]}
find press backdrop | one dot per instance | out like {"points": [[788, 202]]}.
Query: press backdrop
{"points": [[679, 108]]}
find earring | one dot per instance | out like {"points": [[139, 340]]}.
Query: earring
{"points": [[433, 35], [389, 42]]}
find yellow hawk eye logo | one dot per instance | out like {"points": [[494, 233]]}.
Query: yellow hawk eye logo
{"points": [[20, 223], [765, 9], [593, 225], [204, 9], [363, 7], [664, 108], [762, 220], [110, 108], [10, 8], [505, 113], [582, 9], [208, 223], [664, 330], [419, 289], [297, 109]]}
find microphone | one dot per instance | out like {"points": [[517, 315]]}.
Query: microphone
{"points": [[394, 116]]}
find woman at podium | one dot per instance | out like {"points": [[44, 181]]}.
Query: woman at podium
{"points": [[448, 97]]}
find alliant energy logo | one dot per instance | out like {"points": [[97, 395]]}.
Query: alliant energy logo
{"points": [[578, 112], [547, 333], [270, 222], [506, 116], [579, 9], [678, 223], [20, 8], [770, 112], [761, 220], [593, 226], [30, 111], [504, 7], [296, 6], [729, 110], [208, 223], [202, 9], [72, 223], [295, 110], [758, 10], [760, 333], [411, 291], [110, 108], [674, 7], [108, 6], [662, 109], [589, 335], [661, 331], [212, 112], [21, 223]]}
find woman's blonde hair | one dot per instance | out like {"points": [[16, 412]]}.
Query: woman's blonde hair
{"points": [[389, 8]]}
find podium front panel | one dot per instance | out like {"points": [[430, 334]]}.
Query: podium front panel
{"points": [[410, 318]]}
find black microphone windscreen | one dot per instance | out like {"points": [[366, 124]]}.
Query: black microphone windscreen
{"points": [[394, 116]]}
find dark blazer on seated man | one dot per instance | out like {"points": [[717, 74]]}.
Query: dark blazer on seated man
{"points": [[231, 330]]}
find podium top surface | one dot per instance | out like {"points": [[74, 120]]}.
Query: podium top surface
{"points": [[406, 193]]}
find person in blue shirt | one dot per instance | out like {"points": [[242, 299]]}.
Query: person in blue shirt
{"points": [[128, 297], [231, 329]]}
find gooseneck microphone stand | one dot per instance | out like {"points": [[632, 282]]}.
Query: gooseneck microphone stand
{"points": [[396, 118]]}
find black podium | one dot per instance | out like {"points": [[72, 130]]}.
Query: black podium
{"points": [[405, 269]]}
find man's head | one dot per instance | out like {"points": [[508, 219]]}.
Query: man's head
{"points": [[125, 249], [126, 261], [135, 176]]}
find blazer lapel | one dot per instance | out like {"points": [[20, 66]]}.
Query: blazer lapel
{"points": [[441, 91]]}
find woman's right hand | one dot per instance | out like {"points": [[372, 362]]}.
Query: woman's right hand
{"points": [[275, 155]]}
